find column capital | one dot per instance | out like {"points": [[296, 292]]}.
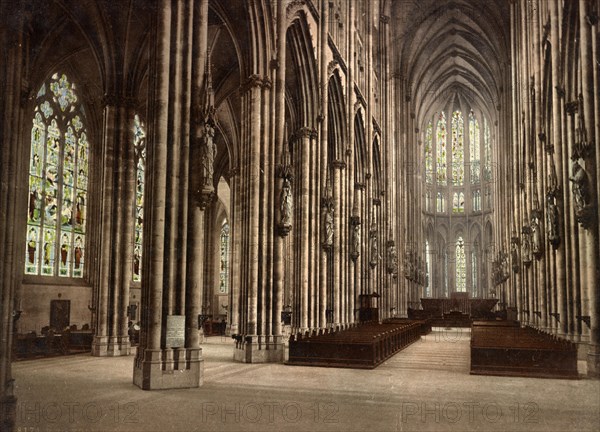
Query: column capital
{"points": [[306, 132], [360, 186], [338, 164], [253, 81]]}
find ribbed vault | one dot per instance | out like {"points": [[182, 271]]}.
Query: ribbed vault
{"points": [[449, 48]]}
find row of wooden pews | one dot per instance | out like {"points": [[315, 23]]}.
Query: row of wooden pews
{"points": [[359, 346], [506, 348]]}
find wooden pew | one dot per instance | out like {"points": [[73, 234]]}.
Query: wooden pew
{"points": [[507, 349], [363, 346]]}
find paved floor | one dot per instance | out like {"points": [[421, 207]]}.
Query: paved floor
{"points": [[426, 387]]}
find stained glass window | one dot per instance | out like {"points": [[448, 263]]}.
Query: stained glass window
{"points": [[441, 203], [458, 202], [58, 178], [139, 145], [461, 266], [429, 153], [474, 150], [487, 151], [224, 268], [458, 156], [477, 200], [441, 149]]}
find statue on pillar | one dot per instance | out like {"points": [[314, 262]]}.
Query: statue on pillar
{"points": [[514, 254], [285, 203], [504, 266], [208, 151], [579, 188], [392, 258], [374, 246], [355, 253], [537, 243], [328, 213], [526, 245], [552, 221]]}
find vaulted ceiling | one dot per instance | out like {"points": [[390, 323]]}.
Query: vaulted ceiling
{"points": [[452, 49]]}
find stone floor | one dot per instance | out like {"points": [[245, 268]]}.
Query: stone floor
{"points": [[426, 387]]}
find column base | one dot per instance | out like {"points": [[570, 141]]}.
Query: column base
{"points": [[109, 346], [168, 368], [257, 349], [8, 409], [593, 361]]}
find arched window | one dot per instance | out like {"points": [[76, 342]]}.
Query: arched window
{"points": [[461, 266], [487, 151], [441, 149], [139, 145], [474, 149], [458, 202], [458, 156], [428, 201], [429, 153], [477, 200], [224, 267], [441, 203], [58, 179]]}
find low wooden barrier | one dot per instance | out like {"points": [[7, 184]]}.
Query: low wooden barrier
{"points": [[503, 348], [362, 346]]}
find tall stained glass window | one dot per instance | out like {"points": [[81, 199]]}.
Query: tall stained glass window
{"points": [[440, 203], [458, 156], [224, 267], [139, 145], [487, 151], [461, 266], [429, 153], [474, 150], [58, 179], [477, 200], [458, 202], [441, 139]]}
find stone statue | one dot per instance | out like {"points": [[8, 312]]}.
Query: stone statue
{"points": [[356, 240], [526, 247], [505, 265], [552, 221], [537, 244], [328, 241], [208, 153], [374, 246], [392, 258], [579, 188], [514, 256], [285, 203]]}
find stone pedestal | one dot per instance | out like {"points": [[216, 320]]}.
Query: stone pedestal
{"points": [[593, 361], [118, 346], [255, 349], [184, 370], [100, 346], [109, 346]]}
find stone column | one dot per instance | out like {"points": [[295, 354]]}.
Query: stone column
{"points": [[13, 185], [588, 27], [169, 355], [111, 338]]}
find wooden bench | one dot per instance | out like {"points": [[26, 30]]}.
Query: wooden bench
{"points": [[507, 349], [363, 346]]}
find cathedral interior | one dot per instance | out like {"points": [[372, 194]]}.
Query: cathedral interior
{"points": [[196, 193]]}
